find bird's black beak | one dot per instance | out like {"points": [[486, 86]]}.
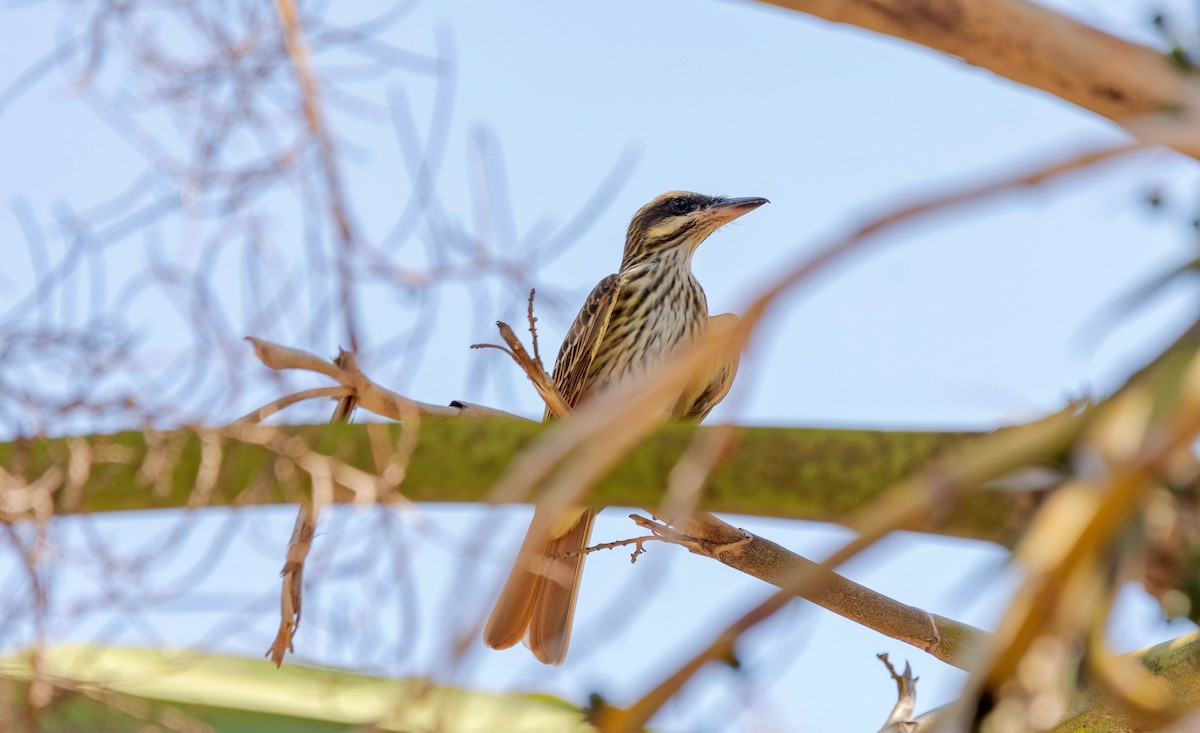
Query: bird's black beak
{"points": [[726, 210]]}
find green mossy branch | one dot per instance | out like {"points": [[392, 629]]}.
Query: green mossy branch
{"points": [[798, 473]]}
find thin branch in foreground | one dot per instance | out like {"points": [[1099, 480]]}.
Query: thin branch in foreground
{"points": [[691, 473]]}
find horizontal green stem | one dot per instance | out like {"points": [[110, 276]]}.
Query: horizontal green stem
{"points": [[799, 473]]}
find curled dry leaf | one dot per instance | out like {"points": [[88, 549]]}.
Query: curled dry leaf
{"points": [[293, 579]]}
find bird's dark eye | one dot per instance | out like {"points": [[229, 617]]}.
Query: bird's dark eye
{"points": [[679, 205]]}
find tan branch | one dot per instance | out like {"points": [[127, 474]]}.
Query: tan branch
{"points": [[369, 395], [705, 535], [277, 357], [256, 416], [345, 361], [901, 720], [307, 515], [1029, 44]]}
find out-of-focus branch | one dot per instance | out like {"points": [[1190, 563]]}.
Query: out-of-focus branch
{"points": [[1172, 663], [1141, 438], [1029, 44], [339, 209]]}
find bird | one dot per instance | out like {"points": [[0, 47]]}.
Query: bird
{"points": [[632, 321]]}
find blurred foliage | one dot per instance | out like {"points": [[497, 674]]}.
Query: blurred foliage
{"points": [[122, 690]]}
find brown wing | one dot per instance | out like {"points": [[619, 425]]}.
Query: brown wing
{"points": [[724, 369], [583, 340]]}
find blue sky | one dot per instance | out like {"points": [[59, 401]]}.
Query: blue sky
{"points": [[977, 318]]}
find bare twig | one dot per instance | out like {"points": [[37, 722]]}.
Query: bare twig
{"points": [[532, 367], [533, 334], [309, 512], [497, 347], [275, 356], [901, 718], [638, 542]]}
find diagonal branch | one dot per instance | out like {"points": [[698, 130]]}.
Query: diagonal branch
{"points": [[703, 534], [1029, 44]]}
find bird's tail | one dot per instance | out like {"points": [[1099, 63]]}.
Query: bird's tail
{"points": [[537, 604]]}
